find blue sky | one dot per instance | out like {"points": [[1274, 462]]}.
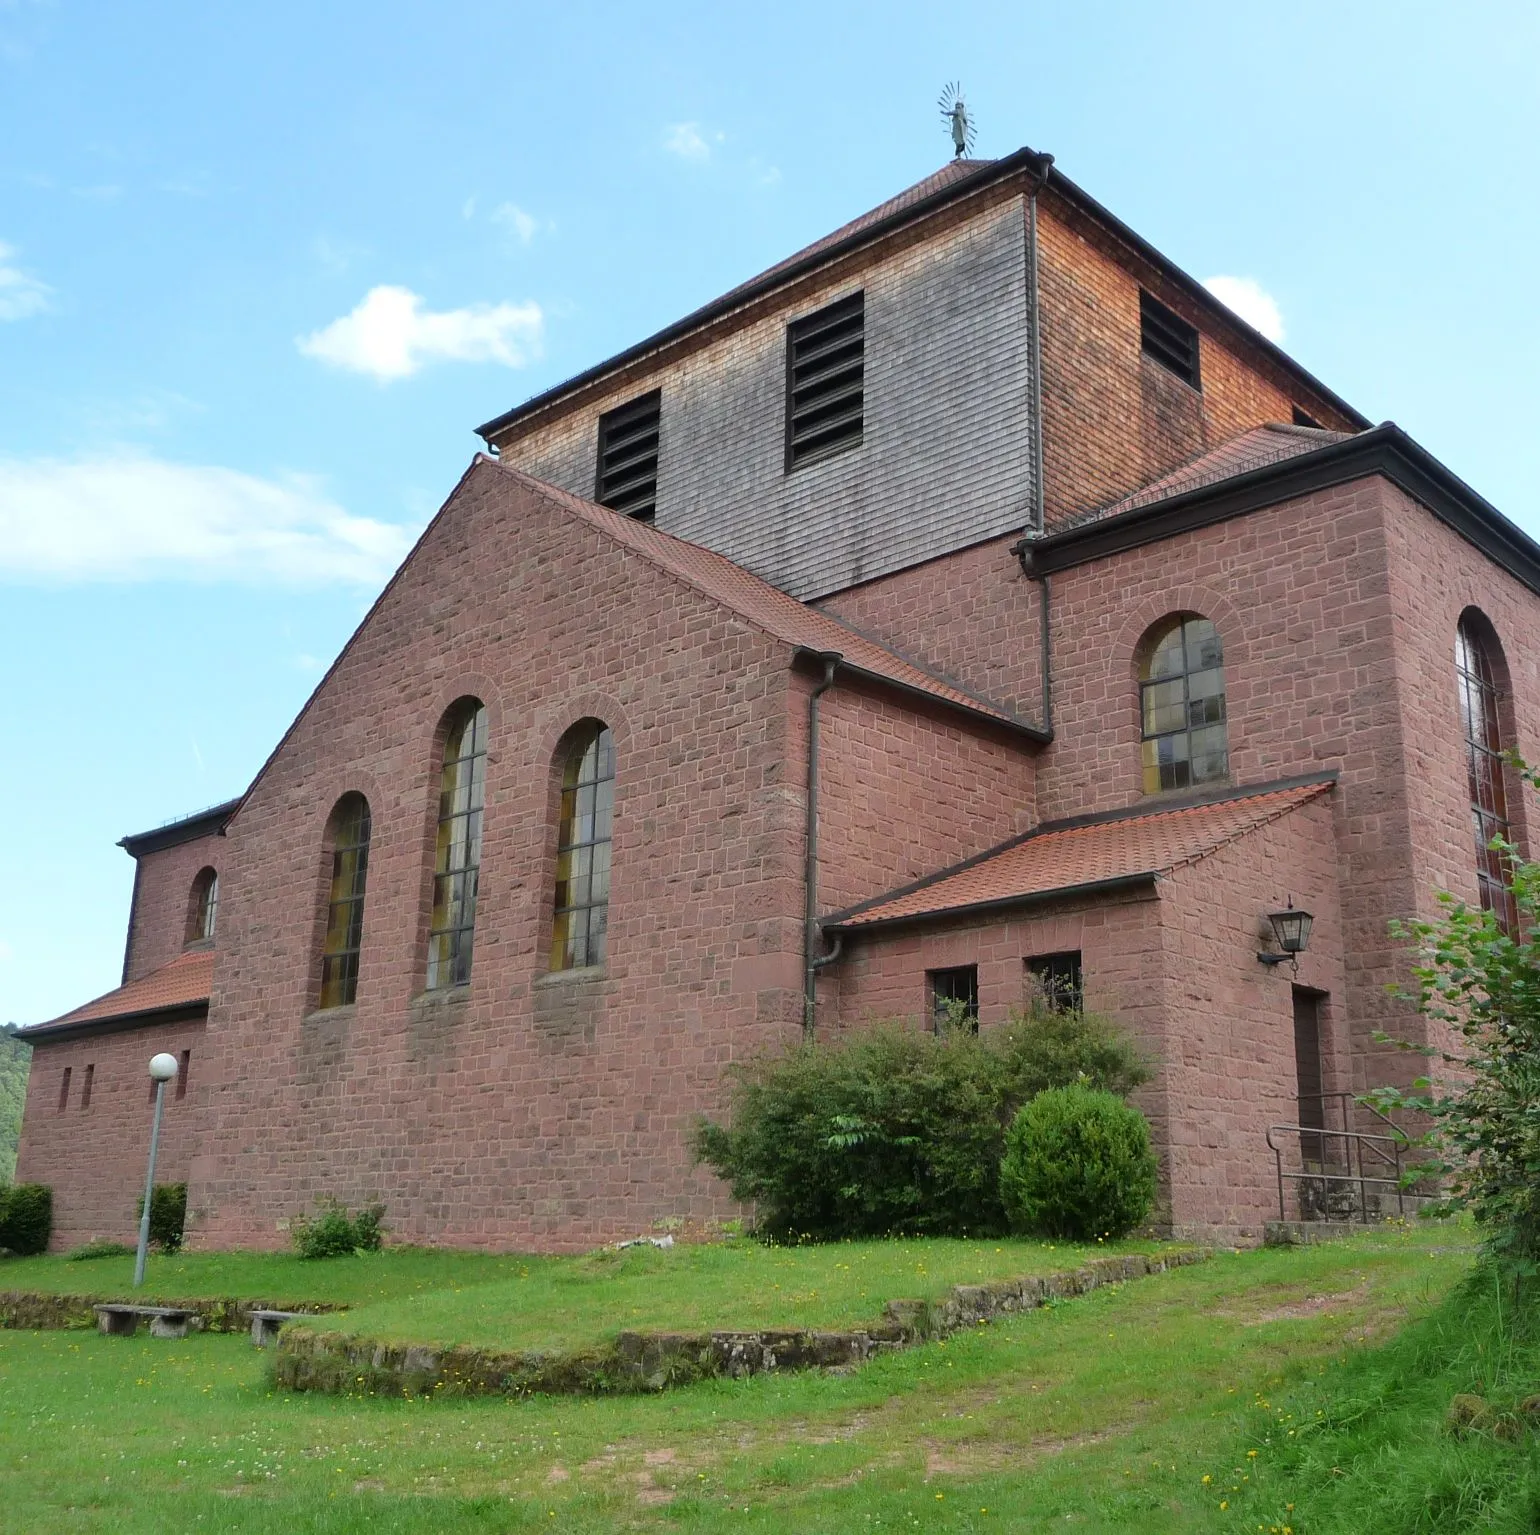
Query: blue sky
{"points": [[263, 269]]}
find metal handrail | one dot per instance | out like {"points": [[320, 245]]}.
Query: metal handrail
{"points": [[1355, 1142]]}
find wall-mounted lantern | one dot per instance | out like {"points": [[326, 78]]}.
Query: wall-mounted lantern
{"points": [[1291, 929]]}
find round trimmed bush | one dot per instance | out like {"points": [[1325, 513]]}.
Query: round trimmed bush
{"points": [[1077, 1165]]}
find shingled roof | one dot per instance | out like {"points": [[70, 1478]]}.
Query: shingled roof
{"points": [[956, 180], [767, 607], [183, 983], [949, 174], [1077, 856]]}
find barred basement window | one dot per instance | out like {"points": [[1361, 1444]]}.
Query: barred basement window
{"points": [[1167, 338], [457, 860], [825, 381], [1056, 981], [627, 479], [580, 933], [954, 998], [1182, 705], [1476, 677], [345, 903]]}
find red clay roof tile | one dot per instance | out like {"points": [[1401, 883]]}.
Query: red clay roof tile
{"points": [[1050, 860], [183, 982], [1252, 449], [767, 607]]}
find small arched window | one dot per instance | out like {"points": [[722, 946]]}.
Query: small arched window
{"points": [[457, 859], [345, 901], [1182, 705], [583, 849], [203, 906], [1476, 676]]}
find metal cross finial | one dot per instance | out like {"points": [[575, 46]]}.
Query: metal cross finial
{"points": [[954, 112]]}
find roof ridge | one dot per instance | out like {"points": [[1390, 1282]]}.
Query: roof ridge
{"points": [[638, 537], [1296, 442], [1303, 791], [1289, 793], [139, 985]]}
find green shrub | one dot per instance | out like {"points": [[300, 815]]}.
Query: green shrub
{"points": [[333, 1233], [1479, 985], [1077, 1165], [896, 1130], [98, 1247], [26, 1219], [168, 1215]]}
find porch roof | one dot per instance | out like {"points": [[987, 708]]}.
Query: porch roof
{"points": [[1090, 854]]}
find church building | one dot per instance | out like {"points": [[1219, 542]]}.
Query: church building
{"points": [[968, 607]]}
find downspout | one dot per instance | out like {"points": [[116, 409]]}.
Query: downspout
{"points": [[812, 962], [1035, 527], [1035, 341]]}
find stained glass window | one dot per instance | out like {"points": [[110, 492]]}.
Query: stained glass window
{"points": [[203, 909], [1484, 770], [1182, 707], [345, 903], [578, 936], [457, 863]]}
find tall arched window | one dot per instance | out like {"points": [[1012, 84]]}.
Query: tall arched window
{"points": [[583, 849], [457, 861], [203, 906], [1477, 681], [345, 902], [1182, 705]]}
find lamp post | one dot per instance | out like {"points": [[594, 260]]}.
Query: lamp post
{"points": [[162, 1070]]}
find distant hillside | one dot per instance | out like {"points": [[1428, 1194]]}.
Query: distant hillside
{"points": [[14, 1059]]}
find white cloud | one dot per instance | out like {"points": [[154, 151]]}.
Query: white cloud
{"points": [[1251, 301], [390, 335], [20, 294], [521, 225], [689, 141], [137, 518]]}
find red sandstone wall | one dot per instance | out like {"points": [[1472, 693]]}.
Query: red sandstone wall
{"points": [[157, 930], [903, 793], [972, 617], [531, 1109], [1434, 576], [1228, 1062], [1180, 974], [94, 1157], [1122, 965]]}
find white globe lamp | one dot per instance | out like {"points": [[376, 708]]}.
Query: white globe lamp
{"points": [[163, 1068]]}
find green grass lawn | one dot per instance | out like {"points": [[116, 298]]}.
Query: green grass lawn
{"points": [[359, 1280], [418, 1295], [1101, 1413], [737, 1285]]}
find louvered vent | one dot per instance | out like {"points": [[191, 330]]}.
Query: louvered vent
{"points": [[825, 381], [1169, 339], [628, 457]]}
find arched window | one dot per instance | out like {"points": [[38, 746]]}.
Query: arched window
{"points": [[1476, 677], [583, 849], [203, 906], [457, 861], [1182, 705], [345, 902]]}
